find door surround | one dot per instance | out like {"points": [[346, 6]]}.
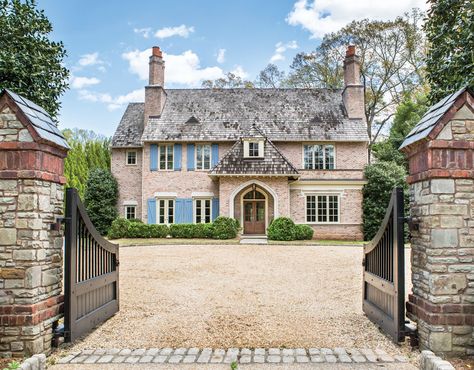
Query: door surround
{"points": [[242, 208]]}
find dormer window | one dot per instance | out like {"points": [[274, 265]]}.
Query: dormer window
{"points": [[253, 148]]}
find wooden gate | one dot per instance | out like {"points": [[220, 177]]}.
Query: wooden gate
{"points": [[384, 272], [91, 272]]}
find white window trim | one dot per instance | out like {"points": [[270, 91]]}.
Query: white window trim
{"points": [[324, 156], [261, 148], [195, 209], [321, 194], [202, 194], [130, 205], [160, 145], [136, 158], [157, 210], [195, 157]]}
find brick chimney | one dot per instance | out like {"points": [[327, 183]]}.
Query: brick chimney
{"points": [[155, 94], [353, 94]]}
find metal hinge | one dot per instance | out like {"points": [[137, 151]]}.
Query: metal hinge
{"points": [[412, 225], [56, 226]]}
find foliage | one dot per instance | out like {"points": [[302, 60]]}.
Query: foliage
{"points": [[303, 232], [100, 199], [88, 151], [225, 228], [12, 365], [190, 231], [450, 56], [229, 81], [30, 63], [282, 228], [270, 77], [381, 177], [122, 228]]}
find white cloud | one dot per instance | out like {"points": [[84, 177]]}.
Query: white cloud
{"points": [[280, 48], [182, 31], [145, 32], [182, 69], [113, 102], [221, 56], [239, 72], [322, 16], [81, 82], [90, 60]]}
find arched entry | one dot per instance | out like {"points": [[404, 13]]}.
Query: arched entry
{"points": [[255, 210]]}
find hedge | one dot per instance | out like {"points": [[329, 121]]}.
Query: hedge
{"points": [[283, 228], [189, 231], [122, 228]]}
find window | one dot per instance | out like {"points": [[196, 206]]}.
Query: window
{"points": [[166, 156], [131, 157], [322, 208], [166, 211], [318, 157], [130, 212], [253, 149], [203, 157], [202, 211]]}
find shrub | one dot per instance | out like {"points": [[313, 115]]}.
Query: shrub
{"points": [[189, 231], [122, 228], [225, 228], [118, 229], [303, 232], [282, 228]]}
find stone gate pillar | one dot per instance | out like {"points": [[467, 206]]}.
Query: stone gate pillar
{"points": [[32, 152], [440, 151]]}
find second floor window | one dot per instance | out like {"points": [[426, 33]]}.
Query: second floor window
{"points": [[166, 211], [131, 157], [203, 157], [253, 149], [166, 156], [319, 157]]}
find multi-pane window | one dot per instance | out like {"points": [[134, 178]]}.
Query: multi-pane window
{"points": [[202, 211], [322, 208], [165, 153], [130, 212], [203, 157], [131, 157], [166, 211], [318, 157], [253, 149]]}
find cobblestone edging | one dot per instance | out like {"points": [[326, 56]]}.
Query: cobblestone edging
{"points": [[429, 361], [240, 355], [36, 362]]}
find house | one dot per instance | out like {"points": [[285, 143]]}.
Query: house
{"points": [[189, 155]]}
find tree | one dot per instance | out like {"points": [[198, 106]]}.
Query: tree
{"points": [[450, 55], [230, 81], [101, 199], [270, 77], [30, 63]]}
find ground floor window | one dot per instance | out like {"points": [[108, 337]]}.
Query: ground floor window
{"points": [[202, 211], [166, 211], [130, 212], [322, 208]]}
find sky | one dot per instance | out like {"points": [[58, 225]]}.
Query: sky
{"points": [[108, 44]]}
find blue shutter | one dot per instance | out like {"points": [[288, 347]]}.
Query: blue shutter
{"points": [[180, 211], [151, 211], [214, 154], [190, 157], [177, 157], [215, 208], [153, 157], [188, 211]]}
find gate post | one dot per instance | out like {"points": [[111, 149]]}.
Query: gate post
{"points": [[440, 150], [32, 152]]}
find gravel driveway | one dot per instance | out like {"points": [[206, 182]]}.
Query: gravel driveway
{"points": [[240, 296]]}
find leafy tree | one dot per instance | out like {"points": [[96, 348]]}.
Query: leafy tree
{"points": [[230, 81], [101, 199], [88, 151], [270, 77], [382, 177], [450, 55], [30, 63]]}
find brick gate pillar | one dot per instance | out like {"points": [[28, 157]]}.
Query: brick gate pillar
{"points": [[32, 152], [440, 151]]}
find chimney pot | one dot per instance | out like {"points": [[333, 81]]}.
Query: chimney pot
{"points": [[351, 50], [156, 51]]}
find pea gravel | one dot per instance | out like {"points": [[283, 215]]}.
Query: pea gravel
{"points": [[240, 296]]}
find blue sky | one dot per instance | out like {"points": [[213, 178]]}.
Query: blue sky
{"points": [[108, 43]]}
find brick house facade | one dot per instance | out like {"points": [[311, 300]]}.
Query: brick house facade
{"points": [[189, 155]]}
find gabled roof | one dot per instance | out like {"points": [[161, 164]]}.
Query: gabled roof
{"points": [[432, 117], [41, 121], [225, 114], [273, 162], [130, 128]]}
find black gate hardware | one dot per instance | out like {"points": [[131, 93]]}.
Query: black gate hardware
{"points": [[56, 226]]}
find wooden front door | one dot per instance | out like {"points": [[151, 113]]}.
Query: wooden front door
{"points": [[254, 217]]}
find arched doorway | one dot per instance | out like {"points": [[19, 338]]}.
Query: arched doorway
{"points": [[254, 211]]}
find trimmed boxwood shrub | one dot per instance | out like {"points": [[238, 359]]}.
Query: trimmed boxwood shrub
{"points": [[188, 231], [282, 228], [122, 228], [118, 229], [303, 232], [225, 228]]}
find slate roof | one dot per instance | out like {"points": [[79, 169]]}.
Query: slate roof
{"points": [[130, 128], [225, 114], [431, 118], [273, 162], [39, 119]]}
